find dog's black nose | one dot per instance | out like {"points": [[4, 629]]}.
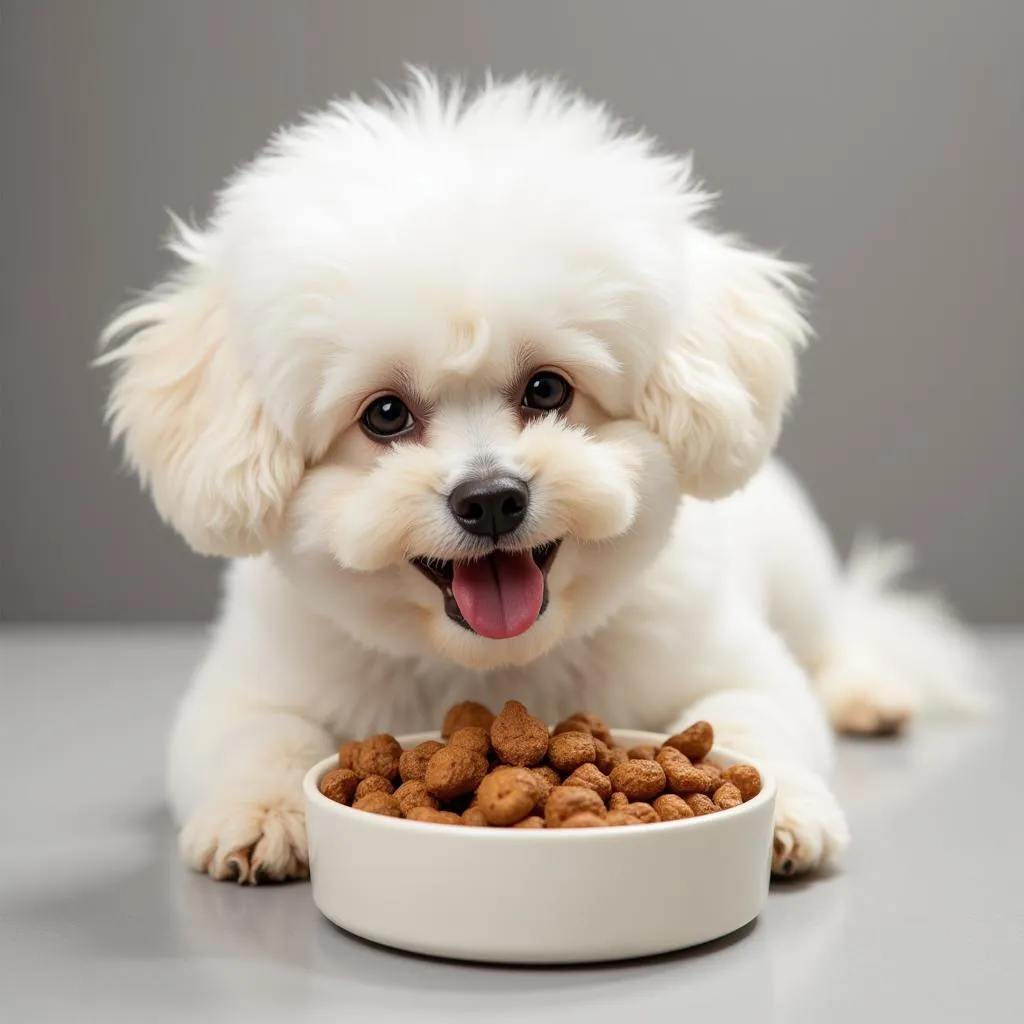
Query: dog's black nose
{"points": [[491, 506]]}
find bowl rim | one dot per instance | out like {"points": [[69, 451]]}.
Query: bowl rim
{"points": [[311, 791]]}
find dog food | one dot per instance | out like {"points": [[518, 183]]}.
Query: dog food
{"points": [[464, 715], [568, 750], [379, 755], [374, 784], [379, 803], [413, 763], [517, 737], [340, 785], [590, 776], [508, 794], [510, 771], [454, 771]]}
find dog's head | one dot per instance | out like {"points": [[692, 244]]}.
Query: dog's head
{"points": [[453, 361]]}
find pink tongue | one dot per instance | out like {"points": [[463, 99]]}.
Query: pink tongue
{"points": [[499, 596]]}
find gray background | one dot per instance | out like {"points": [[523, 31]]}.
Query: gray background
{"points": [[882, 143]]}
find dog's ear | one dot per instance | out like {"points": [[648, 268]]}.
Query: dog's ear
{"points": [[192, 424], [717, 394]]}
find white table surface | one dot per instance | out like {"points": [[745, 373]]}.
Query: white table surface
{"points": [[99, 921]]}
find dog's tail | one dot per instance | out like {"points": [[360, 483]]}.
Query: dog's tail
{"points": [[907, 647]]}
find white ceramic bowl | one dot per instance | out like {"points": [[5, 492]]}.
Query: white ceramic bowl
{"points": [[541, 897]]}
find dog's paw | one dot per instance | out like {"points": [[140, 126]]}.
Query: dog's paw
{"points": [[871, 709], [810, 827], [867, 703], [246, 840]]}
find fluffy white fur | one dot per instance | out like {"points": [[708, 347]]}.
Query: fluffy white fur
{"points": [[443, 246]]}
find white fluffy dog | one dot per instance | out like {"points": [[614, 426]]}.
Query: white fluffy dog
{"points": [[484, 407]]}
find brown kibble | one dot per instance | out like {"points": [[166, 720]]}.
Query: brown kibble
{"points": [[413, 763], [616, 756], [472, 737], [508, 771], [468, 713], [643, 812], [710, 784], [695, 742], [347, 753], [700, 804], [669, 755], [639, 779], [435, 817], [595, 726], [682, 777], [339, 785], [622, 818], [746, 778], [508, 795], [519, 738], [727, 795], [533, 821], [571, 725], [590, 776], [373, 784], [566, 801], [547, 774], [713, 772], [645, 752], [584, 820], [379, 755], [454, 771], [568, 750], [475, 817], [414, 794], [670, 807], [547, 778], [379, 803]]}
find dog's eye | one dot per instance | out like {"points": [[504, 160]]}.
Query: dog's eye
{"points": [[546, 391], [387, 417]]}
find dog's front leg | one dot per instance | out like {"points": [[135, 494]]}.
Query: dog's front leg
{"points": [[235, 774], [763, 705]]}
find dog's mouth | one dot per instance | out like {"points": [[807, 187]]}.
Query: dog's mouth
{"points": [[498, 596]]}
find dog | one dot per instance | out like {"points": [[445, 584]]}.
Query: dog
{"points": [[482, 406]]}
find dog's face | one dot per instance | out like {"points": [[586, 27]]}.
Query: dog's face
{"points": [[454, 363], [485, 490]]}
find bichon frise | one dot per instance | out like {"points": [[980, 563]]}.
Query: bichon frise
{"points": [[484, 407]]}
